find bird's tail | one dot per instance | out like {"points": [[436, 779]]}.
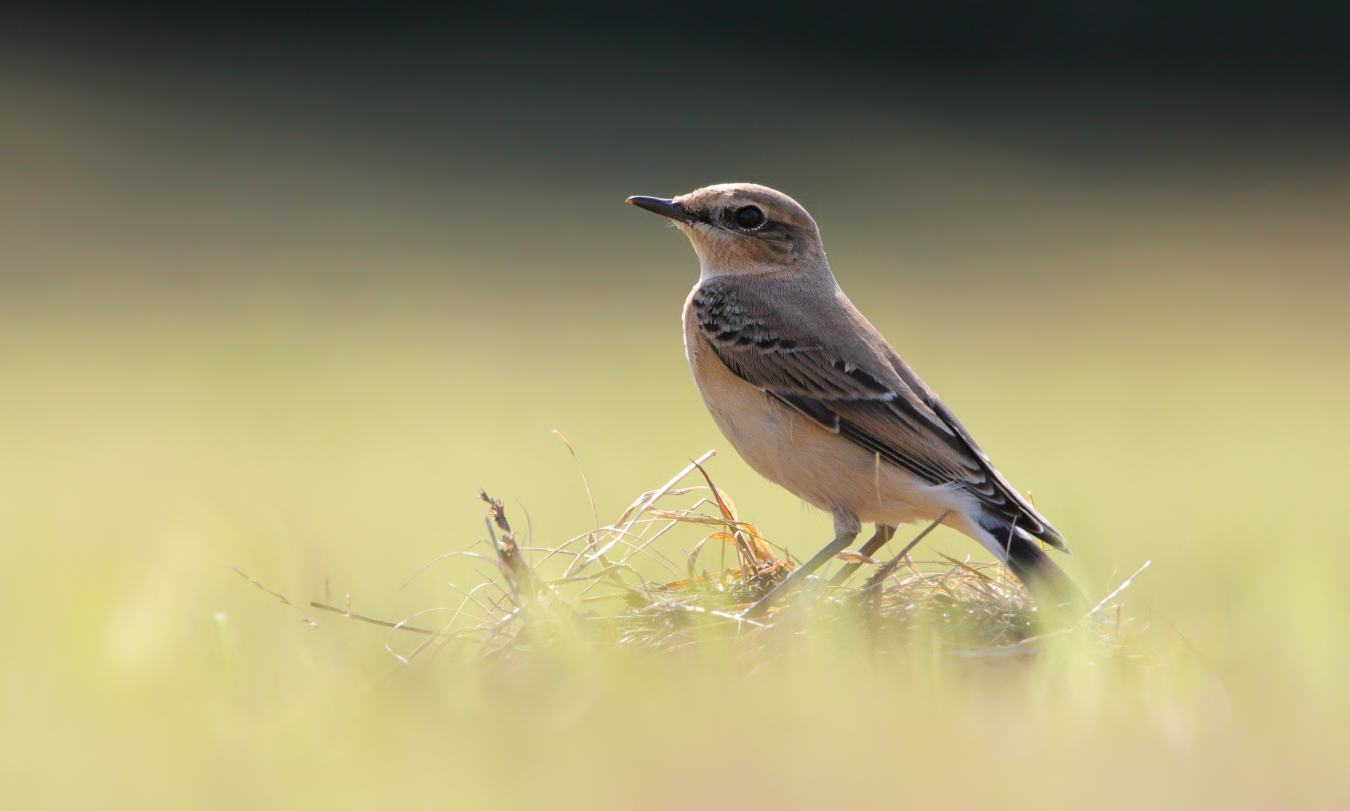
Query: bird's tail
{"points": [[1049, 586]]}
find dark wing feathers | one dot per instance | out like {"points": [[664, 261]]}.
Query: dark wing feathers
{"points": [[759, 353], [867, 395]]}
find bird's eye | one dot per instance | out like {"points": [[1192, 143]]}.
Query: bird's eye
{"points": [[749, 217]]}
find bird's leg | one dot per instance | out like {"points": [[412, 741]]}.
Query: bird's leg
{"points": [[843, 540], [879, 539]]}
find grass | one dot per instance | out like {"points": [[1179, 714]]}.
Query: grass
{"points": [[604, 667], [146, 674], [598, 591], [143, 673]]}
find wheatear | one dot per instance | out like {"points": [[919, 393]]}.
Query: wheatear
{"points": [[816, 400]]}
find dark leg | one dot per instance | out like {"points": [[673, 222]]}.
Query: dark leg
{"points": [[879, 539], [842, 541]]}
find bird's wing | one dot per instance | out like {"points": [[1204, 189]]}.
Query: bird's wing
{"points": [[855, 385]]}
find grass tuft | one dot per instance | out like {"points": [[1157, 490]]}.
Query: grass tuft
{"points": [[625, 586]]}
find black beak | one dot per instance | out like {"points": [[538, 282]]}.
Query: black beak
{"points": [[666, 208]]}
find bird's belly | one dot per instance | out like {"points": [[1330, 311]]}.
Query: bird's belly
{"points": [[770, 437], [820, 467]]}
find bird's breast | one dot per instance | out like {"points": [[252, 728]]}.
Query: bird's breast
{"points": [[746, 416], [771, 437]]}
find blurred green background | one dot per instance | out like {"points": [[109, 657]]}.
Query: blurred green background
{"points": [[281, 288]]}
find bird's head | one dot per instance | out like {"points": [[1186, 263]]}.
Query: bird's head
{"points": [[744, 228]]}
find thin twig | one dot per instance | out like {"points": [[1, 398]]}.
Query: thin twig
{"points": [[589, 495], [277, 595], [651, 498], [372, 620], [1121, 588]]}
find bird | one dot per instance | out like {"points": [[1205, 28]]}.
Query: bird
{"points": [[815, 399]]}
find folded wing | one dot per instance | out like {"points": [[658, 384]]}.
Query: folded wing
{"points": [[850, 381]]}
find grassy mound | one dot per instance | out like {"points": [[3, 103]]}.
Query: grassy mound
{"points": [[621, 587]]}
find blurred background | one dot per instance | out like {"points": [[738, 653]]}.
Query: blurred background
{"points": [[282, 285]]}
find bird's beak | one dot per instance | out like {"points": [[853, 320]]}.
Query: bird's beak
{"points": [[666, 208]]}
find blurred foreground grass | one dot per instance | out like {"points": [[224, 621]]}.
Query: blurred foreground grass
{"points": [[307, 374]]}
